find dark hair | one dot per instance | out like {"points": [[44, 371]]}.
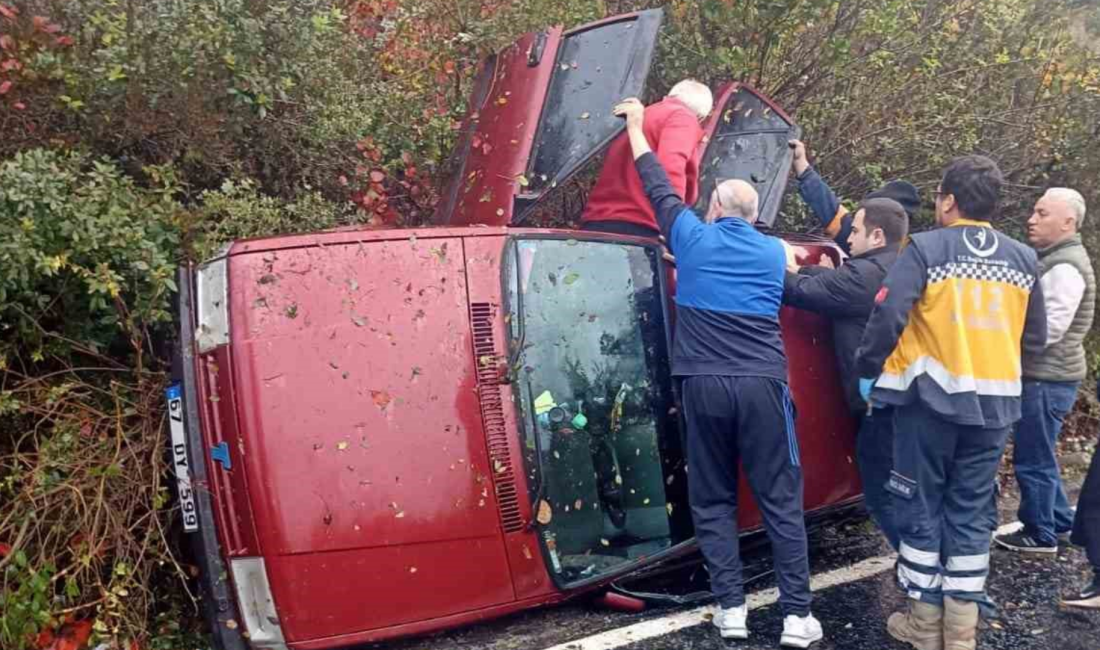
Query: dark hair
{"points": [[888, 216], [975, 182]]}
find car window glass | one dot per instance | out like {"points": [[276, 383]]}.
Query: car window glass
{"points": [[594, 388], [750, 144], [595, 69]]}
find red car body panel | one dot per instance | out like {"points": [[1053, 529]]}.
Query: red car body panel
{"points": [[373, 450]]}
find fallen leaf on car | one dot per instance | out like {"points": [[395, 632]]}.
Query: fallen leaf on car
{"points": [[585, 116], [412, 569], [571, 278], [545, 513], [527, 553], [605, 542], [668, 506], [400, 514], [342, 445], [578, 504], [381, 398]]}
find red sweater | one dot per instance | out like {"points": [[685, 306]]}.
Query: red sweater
{"points": [[673, 132]]}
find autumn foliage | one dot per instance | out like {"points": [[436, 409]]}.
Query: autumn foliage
{"points": [[134, 135]]}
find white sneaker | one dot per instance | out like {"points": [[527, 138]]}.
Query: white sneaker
{"points": [[800, 632], [732, 622]]}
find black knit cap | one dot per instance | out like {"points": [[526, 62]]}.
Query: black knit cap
{"points": [[903, 192]]}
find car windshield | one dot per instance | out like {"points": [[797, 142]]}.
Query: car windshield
{"points": [[601, 440]]}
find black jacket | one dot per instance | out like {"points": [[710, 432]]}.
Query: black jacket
{"points": [[846, 295]]}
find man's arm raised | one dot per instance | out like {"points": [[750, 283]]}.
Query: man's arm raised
{"points": [[667, 205]]}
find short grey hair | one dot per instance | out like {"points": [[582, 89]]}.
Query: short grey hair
{"points": [[1072, 198], [696, 95], [736, 198]]}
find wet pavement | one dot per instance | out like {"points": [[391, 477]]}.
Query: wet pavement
{"points": [[1026, 587]]}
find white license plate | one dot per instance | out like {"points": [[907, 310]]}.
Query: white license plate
{"points": [[180, 461]]}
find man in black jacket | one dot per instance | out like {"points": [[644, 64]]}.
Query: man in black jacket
{"points": [[847, 295]]}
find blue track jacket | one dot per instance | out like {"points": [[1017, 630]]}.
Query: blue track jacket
{"points": [[729, 288]]}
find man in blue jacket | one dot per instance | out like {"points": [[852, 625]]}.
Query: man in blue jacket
{"points": [[737, 406], [826, 206]]}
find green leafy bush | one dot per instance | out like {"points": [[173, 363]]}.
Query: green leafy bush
{"points": [[86, 253]]}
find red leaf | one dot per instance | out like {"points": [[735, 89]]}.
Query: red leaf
{"points": [[486, 149], [449, 67], [64, 41], [53, 28], [381, 398], [5, 87], [39, 22], [4, 549], [19, 106], [476, 142], [10, 64], [377, 176], [8, 12], [6, 41]]}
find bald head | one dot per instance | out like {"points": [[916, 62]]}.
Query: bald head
{"points": [[733, 198]]}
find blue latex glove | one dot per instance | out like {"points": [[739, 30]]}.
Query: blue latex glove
{"points": [[865, 386]]}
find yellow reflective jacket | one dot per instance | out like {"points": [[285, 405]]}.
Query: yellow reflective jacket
{"points": [[952, 318]]}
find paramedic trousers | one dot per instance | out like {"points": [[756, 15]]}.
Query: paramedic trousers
{"points": [[746, 421], [1044, 508], [942, 485]]}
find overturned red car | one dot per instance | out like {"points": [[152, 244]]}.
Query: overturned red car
{"points": [[384, 432]]}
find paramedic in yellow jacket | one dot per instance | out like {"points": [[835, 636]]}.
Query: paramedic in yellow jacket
{"points": [[943, 346]]}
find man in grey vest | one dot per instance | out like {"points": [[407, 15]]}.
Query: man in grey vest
{"points": [[1052, 377]]}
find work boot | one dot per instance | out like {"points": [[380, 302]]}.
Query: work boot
{"points": [[921, 627], [960, 624]]}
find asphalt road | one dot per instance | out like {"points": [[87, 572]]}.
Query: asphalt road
{"points": [[854, 564]]}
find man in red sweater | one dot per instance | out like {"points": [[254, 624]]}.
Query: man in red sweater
{"points": [[618, 203]]}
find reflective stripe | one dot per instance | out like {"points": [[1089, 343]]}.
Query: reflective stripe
{"points": [[968, 562], [923, 558], [911, 577], [950, 383], [833, 229], [792, 438], [974, 585]]}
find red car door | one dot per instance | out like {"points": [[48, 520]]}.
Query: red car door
{"points": [[540, 110]]}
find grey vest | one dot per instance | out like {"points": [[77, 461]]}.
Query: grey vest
{"points": [[1065, 360]]}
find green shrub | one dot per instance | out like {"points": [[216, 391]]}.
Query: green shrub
{"points": [[86, 255], [238, 210]]}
